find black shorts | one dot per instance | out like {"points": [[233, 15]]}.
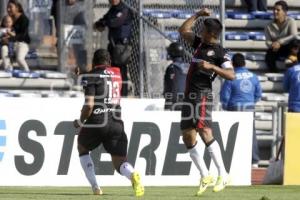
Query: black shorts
{"points": [[112, 136], [196, 113]]}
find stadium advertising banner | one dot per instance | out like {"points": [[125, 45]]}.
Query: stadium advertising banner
{"points": [[292, 149], [38, 145]]}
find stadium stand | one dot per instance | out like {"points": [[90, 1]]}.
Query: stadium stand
{"points": [[245, 34], [42, 58]]}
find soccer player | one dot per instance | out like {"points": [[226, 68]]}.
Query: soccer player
{"points": [[101, 122], [209, 60]]}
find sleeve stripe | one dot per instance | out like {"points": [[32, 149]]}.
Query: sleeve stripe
{"points": [[227, 65]]}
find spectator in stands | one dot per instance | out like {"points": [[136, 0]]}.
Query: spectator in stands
{"points": [[292, 59], [256, 5], [291, 84], [118, 20], [7, 47], [175, 76], [21, 28], [279, 33], [241, 94]]}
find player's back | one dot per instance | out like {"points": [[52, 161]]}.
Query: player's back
{"points": [[104, 83]]}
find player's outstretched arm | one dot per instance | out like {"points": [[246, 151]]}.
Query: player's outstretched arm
{"points": [[185, 29]]}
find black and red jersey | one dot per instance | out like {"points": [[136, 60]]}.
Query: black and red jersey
{"points": [[199, 79], [105, 84]]}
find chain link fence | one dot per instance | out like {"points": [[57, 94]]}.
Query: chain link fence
{"points": [[160, 22]]}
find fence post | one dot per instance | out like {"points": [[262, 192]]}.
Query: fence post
{"points": [[222, 18], [141, 51]]}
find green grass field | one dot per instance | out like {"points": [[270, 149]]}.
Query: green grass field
{"points": [[152, 193]]}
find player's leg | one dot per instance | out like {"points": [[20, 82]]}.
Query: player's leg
{"points": [[189, 137], [117, 147], [85, 143], [204, 124], [216, 155]]}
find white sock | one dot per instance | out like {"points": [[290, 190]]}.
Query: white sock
{"points": [[88, 167], [215, 153], [126, 169], [197, 158]]}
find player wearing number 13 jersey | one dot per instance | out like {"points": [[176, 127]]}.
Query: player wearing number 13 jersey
{"points": [[101, 122]]}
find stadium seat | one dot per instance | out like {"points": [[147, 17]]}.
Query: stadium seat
{"points": [[239, 15], [181, 14], [159, 14], [236, 36], [294, 15], [255, 35], [255, 56], [5, 74], [275, 77], [262, 78], [51, 74], [274, 97], [32, 54], [262, 15], [24, 74], [173, 35]]}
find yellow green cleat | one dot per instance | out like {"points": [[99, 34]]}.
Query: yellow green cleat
{"points": [[204, 183], [220, 184], [137, 185]]}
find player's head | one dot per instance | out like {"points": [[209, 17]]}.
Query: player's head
{"points": [[212, 29], [70, 2], [175, 50], [101, 57], [280, 10], [238, 60], [114, 2]]}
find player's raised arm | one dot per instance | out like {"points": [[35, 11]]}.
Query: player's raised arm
{"points": [[185, 29]]}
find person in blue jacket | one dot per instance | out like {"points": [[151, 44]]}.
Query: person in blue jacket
{"points": [[291, 84], [241, 94]]}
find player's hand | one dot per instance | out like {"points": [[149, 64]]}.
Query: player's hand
{"points": [[275, 46], [205, 65], [203, 12], [77, 123]]}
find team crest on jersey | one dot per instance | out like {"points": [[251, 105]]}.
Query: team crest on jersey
{"points": [[246, 86], [119, 14], [211, 53]]}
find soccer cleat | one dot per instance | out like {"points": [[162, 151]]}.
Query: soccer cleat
{"points": [[220, 184], [137, 185], [204, 183], [97, 191]]}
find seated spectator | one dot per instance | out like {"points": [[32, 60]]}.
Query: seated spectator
{"points": [[241, 94], [175, 75], [256, 5], [292, 59], [279, 33], [21, 38], [6, 31], [291, 84]]}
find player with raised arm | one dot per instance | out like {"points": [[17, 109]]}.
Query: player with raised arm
{"points": [[209, 60], [101, 122]]}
